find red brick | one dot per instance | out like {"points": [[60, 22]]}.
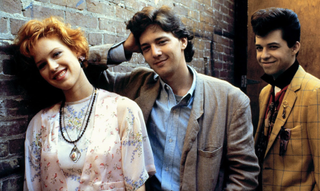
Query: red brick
{"points": [[78, 4], [181, 10], [11, 6], [109, 39], [4, 149], [16, 146], [40, 12], [78, 19], [123, 13], [15, 25], [229, 5], [3, 24], [95, 38], [14, 183], [96, 6], [113, 26], [13, 127]]}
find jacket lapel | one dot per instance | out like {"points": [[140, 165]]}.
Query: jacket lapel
{"points": [[287, 103], [263, 104], [189, 149], [193, 123], [147, 99]]}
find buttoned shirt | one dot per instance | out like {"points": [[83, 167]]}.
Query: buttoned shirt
{"points": [[167, 127]]}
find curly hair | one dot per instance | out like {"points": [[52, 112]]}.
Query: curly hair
{"points": [[33, 30], [167, 20], [41, 93]]}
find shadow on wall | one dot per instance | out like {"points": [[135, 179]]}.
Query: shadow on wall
{"points": [[38, 93]]}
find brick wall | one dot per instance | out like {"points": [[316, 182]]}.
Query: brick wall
{"points": [[211, 21]]}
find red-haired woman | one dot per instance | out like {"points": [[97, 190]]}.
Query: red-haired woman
{"points": [[90, 140]]}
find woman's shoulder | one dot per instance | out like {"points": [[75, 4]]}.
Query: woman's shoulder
{"points": [[122, 102], [37, 121]]}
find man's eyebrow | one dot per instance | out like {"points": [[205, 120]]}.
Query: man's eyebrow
{"points": [[271, 43], [157, 39], [144, 44]]}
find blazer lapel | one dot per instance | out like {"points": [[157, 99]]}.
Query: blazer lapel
{"points": [[147, 97], [193, 123], [263, 104], [287, 105]]}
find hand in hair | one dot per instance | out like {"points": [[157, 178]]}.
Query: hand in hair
{"points": [[131, 45]]}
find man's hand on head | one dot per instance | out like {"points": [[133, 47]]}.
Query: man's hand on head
{"points": [[131, 45]]}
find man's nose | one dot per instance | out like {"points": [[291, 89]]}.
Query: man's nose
{"points": [[156, 51], [265, 53]]}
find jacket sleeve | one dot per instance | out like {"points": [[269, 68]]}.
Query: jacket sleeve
{"points": [[243, 168], [99, 74], [313, 126]]}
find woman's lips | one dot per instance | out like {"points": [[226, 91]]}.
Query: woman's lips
{"points": [[60, 75]]}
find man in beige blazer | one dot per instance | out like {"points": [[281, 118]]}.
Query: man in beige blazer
{"points": [[199, 126], [287, 139]]}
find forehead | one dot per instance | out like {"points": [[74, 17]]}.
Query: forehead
{"points": [[154, 32], [44, 46], [272, 37]]}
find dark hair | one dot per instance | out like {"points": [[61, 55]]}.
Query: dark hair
{"points": [[167, 20], [264, 21]]}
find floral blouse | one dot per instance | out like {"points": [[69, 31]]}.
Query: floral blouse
{"points": [[117, 153]]}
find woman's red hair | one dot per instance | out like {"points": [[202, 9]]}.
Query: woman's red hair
{"points": [[33, 30]]}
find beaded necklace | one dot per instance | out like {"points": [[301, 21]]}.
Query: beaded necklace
{"points": [[75, 154]]}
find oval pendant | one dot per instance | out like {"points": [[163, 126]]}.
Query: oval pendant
{"points": [[75, 154]]}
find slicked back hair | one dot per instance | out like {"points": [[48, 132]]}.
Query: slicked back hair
{"points": [[264, 21]]}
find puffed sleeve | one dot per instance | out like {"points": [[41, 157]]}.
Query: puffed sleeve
{"points": [[33, 154], [137, 158]]}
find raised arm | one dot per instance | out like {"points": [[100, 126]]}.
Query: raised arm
{"points": [[113, 54]]}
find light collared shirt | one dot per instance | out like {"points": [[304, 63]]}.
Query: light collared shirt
{"points": [[167, 128]]}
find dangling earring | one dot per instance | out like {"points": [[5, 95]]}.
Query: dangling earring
{"points": [[81, 59]]}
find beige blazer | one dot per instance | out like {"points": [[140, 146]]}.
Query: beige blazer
{"points": [[218, 150]]}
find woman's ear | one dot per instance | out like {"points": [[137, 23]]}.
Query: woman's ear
{"points": [[81, 60]]}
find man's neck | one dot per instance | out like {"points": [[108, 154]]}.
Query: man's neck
{"points": [[181, 82]]}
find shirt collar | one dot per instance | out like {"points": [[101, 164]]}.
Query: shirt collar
{"points": [[284, 79], [193, 86]]}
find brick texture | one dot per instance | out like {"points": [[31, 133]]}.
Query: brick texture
{"points": [[211, 22]]}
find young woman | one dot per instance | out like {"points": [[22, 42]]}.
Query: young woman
{"points": [[90, 140]]}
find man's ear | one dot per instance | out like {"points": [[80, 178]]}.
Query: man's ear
{"points": [[295, 48], [184, 42]]}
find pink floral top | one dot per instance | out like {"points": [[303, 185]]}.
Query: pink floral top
{"points": [[118, 156]]}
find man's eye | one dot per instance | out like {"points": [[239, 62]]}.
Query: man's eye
{"points": [[145, 49], [273, 47], [258, 48]]}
